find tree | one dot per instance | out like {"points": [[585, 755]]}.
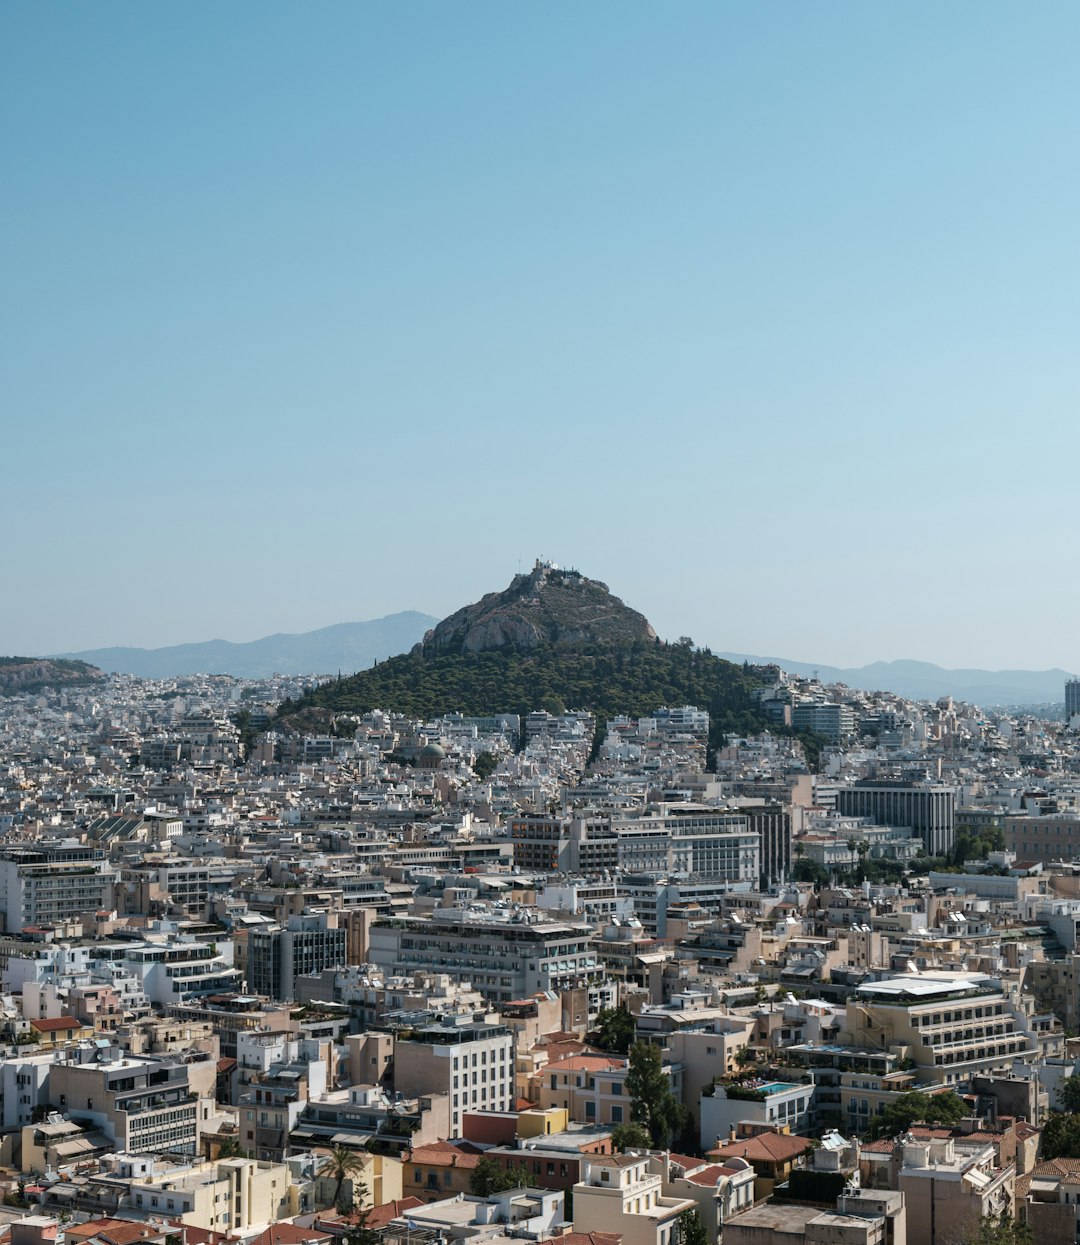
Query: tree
{"points": [[809, 871], [653, 1105], [1070, 1094], [915, 1107], [488, 1178], [1005, 1230], [230, 1147], [1061, 1136], [689, 1230], [485, 765], [614, 1030], [342, 1163], [630, 1137], [358, 1232]]}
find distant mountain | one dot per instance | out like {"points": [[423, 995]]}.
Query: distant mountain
{"points": [[345, 646], [29, 674], [922, 680], [552, 640]]}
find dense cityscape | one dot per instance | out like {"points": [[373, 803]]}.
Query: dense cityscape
{"points": [[535, 974]]}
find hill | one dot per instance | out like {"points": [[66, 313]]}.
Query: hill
{"points": [[547, 642], [29, 674], [547, 607], [922, 680], [345, 646]]}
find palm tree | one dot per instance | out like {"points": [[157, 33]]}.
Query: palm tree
{"points": [[341, 1163]]}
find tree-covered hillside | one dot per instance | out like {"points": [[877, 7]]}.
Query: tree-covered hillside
{"points": [[634, 680]]}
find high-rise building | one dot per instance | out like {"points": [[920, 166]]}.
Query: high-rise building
{"points": [[1072, 697]]}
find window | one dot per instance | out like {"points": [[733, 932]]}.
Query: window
{"points": [[616, 1115]]}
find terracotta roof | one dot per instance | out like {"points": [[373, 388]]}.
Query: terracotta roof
{"points": [[204, 1236], [591, 1238], [380, 1216], [114, 1231], [885, 1146], [1048, 1170], [443, 1154], [686, 1162], [57, 1025], [289, 1234], [708, 1176], [586, 1063], [763, 1148]]}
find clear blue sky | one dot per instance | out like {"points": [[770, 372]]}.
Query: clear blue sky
{"points": [[765, 314]]}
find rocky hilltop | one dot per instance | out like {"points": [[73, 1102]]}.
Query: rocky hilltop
{"points": [[548, 607], [27, 674]]}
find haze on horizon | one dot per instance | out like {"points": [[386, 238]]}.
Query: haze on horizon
{"points": [[764, 316]]}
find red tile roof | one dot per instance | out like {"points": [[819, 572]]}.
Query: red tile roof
{"points": [[586, 1063], [763, 1148], [58, 1024], [443, 1154], [290, 1234]]}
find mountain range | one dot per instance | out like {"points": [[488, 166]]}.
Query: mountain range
{"points": [[346, 647], [922, 680]]}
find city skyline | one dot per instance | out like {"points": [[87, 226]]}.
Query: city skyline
{"points": [[763, 318]]}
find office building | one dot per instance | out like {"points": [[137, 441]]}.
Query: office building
{"points": [[926, 807]]}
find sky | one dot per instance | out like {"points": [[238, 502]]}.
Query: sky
{"points": [[766, 315]]}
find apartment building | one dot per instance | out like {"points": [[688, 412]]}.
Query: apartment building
{"points": [[172, 970], [506, 955], [754, 1106], [653, 898], [469, 1058], [829, 719], [563, 844], [617, 1193], [143, 1104], [53, 883], [949, 1190], [231, 1014], [951, 1025], [281, 1076], [229, 1196], [590, 1088]]}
